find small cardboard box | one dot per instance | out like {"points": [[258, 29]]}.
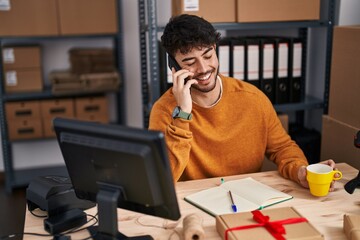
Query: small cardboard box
{"points": [[92, 60], [57, 108], [24, 80], [212, 10], [87, 16], [21, 57], [65, 82], [277, 10], [28, 18], [92, 109], [338, 142], [48, 127], [25, 129], [22, 110], [352, 226], [345, 75], [302, 230]]}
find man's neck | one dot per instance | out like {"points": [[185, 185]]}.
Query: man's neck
{"points": [[207, 99]]}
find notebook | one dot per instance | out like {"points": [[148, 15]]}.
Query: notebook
{"points": [[247, 193]]}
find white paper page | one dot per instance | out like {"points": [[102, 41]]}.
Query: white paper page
{"points": [[216, 201], [255, 192]]}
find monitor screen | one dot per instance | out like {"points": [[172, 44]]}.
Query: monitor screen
{"points": [[130, 161]]}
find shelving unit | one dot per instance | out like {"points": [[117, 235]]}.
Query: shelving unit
{"points": [[150, 62], [19, 178]]}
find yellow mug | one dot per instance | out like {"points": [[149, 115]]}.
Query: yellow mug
{"points": [[319, 177]]}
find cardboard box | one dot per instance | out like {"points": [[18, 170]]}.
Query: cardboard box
{"points": [[92, 60], [87, 16], [92, 109], [303, 230], [28, 18], [352, 226], [338, 142], [25, 129], [277, 10], [22, 110], [21, 57], [57, 108], [64, 82], [212, 10], [345, 76], [24, 80], [48, 127]]}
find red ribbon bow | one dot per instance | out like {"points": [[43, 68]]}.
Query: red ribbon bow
{"points": [[275, 228]]}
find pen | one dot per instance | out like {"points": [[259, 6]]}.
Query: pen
{"points": [[233, 206]]}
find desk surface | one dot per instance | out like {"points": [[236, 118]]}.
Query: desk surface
{"points": [[325, 213]]}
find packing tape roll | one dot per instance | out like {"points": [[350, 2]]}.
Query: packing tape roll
{"points": [[192, 228]]}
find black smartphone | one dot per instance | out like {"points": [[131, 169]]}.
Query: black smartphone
{"points": [[173, 64]]}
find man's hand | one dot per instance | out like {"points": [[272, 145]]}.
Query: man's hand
{"points": [[302, 174], [181, 90]]}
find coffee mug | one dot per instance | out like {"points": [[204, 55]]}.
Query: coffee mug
{"points": [[319, 177]]}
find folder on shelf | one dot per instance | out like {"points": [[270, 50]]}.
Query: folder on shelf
{"points": [[238, 60], [252, 61], [282, 64], [296, 75], [267, 62], [225, 57]]}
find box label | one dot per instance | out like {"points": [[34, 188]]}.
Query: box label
{"points": [[5, 5], [191, 5], [11, 78], [8, 55]]}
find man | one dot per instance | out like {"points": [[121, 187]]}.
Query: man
{"points": [[216, 125]]}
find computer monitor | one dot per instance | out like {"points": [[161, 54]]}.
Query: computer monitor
{"points": [[107, 162]]}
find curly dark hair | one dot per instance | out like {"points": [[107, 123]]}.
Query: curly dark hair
{"points": [[184, 32]]}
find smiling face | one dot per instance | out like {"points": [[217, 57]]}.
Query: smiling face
{"points": [[203, 62]]}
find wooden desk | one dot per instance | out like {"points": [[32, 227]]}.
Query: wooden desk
{"points": [[325, 213]]}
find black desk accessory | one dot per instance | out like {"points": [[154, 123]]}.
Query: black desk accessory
{"points": [[354, 183], [56, 196]]}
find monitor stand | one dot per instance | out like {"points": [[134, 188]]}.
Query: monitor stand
{"points": [[107, 199]]}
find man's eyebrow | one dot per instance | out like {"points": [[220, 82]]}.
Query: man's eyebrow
{"points": [[205, 52]]}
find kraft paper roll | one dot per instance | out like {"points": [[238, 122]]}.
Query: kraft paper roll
{"points": [[192, 228]]}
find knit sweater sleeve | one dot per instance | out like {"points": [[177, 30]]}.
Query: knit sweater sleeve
{"points": [[177, 134], [281, 149]]}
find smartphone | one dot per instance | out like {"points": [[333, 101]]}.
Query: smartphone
{"points": [[173, 64]]}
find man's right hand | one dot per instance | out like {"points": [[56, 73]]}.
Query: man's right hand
{"points": [[181, 90]]}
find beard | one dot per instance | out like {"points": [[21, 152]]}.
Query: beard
{"points": [[208, 88]]}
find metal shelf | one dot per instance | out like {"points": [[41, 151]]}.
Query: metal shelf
{"points": [[308, 103], [17, 177], [264, 25], [149, 52], [46, 94]]}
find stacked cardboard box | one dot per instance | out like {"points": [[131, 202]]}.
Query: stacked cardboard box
{"points": [[92, 70], [249, 10], [92, 109], [343, 121], [57, 17], [24, 120], [22, 69], [92, 60], [52, 108]]}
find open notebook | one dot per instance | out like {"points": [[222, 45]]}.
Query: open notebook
{"points": [[248, 194]]}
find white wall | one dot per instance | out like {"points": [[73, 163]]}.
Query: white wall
{"points": [[37, 153]]}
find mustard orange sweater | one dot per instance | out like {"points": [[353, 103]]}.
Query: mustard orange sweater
{"points": [[229, 138]]}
